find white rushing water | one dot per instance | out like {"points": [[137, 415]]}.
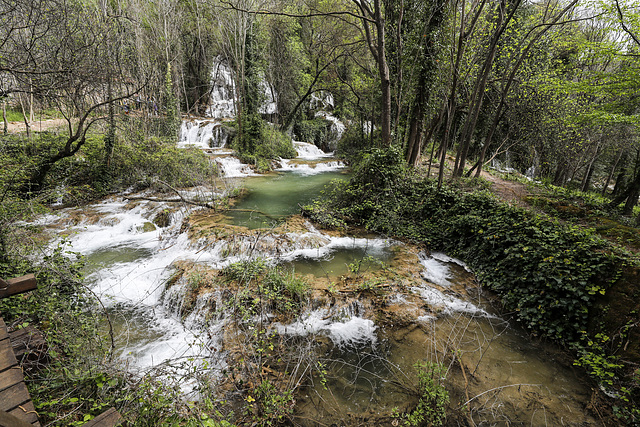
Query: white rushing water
{"points": [[310, 169], [134, 262], [232, 167], [310, 161], [336, 130], [223, 92], [437, 270], [202, 134], [344, 326], [309, 151]]}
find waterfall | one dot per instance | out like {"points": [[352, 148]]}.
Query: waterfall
{"points": [[203, 133], [223, 91], [309, 151], [343, 325], [335, 131], [232, 167]]}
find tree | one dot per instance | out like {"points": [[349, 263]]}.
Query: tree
{"points": [[63, 55]]}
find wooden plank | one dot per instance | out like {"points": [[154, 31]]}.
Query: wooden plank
{"points": [[18, 285], [108, 418], [27, 412], [7, 358], [10, 377], [3, 330], [10, 420], [14, 396], [28, 340]]}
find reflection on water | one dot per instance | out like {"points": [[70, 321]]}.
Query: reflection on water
{"points": [[343, 260]]}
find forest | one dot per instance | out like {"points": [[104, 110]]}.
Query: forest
{"points": [[501, 133]]}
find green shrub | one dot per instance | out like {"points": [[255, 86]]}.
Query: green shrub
{"points": [[434, 398], [260, 143], [315, 131], [353, 143]]}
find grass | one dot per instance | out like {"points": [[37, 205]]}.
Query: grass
{"points": [[14, 114]]}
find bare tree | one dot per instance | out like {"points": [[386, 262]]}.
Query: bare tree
{"points": [[63, 54]]}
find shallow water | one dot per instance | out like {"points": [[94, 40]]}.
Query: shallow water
{"points": [[498, 373], [269, 199]]}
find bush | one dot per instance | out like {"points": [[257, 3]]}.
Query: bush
{"points": [[315, 131], [434, 398], [261, 143], [353, 143]]}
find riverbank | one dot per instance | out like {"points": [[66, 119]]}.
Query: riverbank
{"points": [[555, 278]]}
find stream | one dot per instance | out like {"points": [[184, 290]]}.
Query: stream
{"points": [[377, 306]]}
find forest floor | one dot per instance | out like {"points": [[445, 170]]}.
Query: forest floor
{"points": [[510, 191], [36, 125]]}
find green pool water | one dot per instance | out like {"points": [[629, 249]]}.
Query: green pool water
{"points": [[271, 198]]}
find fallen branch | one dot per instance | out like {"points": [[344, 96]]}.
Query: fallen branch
{"points": [[497, 388]]}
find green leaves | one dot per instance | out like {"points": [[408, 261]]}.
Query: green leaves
{"points": [[547, 273]]}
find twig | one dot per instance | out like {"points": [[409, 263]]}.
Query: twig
{"points": [[497, 388]]}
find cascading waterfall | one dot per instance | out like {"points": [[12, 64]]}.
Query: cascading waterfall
{"points": [[223, 91], [168, 320], [203, 134]]}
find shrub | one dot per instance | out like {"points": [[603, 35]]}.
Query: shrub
{"points": [[434, 398]]}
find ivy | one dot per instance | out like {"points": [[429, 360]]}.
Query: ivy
{"points": [[548, 274]]}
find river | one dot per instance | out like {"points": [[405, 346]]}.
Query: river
{"points": [[376, 308]]}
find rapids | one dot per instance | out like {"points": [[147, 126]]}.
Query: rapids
{"points": [[376, 308]]}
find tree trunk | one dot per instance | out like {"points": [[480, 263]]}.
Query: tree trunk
{"points": [[630, 194], [385, 81], [477, 99], [4, 118], [610, 176], [414, 144], [632, 199], [378, 51], [24, 116], [109, 139], [561, 174]]}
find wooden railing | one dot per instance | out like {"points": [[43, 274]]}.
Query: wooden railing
{"points": [[16, 407]]}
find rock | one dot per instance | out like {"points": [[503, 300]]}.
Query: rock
{"points": [[162, 218]]}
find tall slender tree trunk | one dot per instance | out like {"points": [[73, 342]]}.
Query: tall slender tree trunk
{"points": [[477, 99], [611, 173], [385, 80], [4, 117], [414, 143]]}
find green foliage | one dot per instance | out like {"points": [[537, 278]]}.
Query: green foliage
{"points": [[14, 115], [271, 406], [139, 163], [315, 131], [145, 162], [594, 358], [246, 270], [259, 143], [267, 287], [433, 397], [353, 143]]}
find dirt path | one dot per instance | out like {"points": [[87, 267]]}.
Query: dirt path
{"points": [[36, 126], [510, 191]]}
